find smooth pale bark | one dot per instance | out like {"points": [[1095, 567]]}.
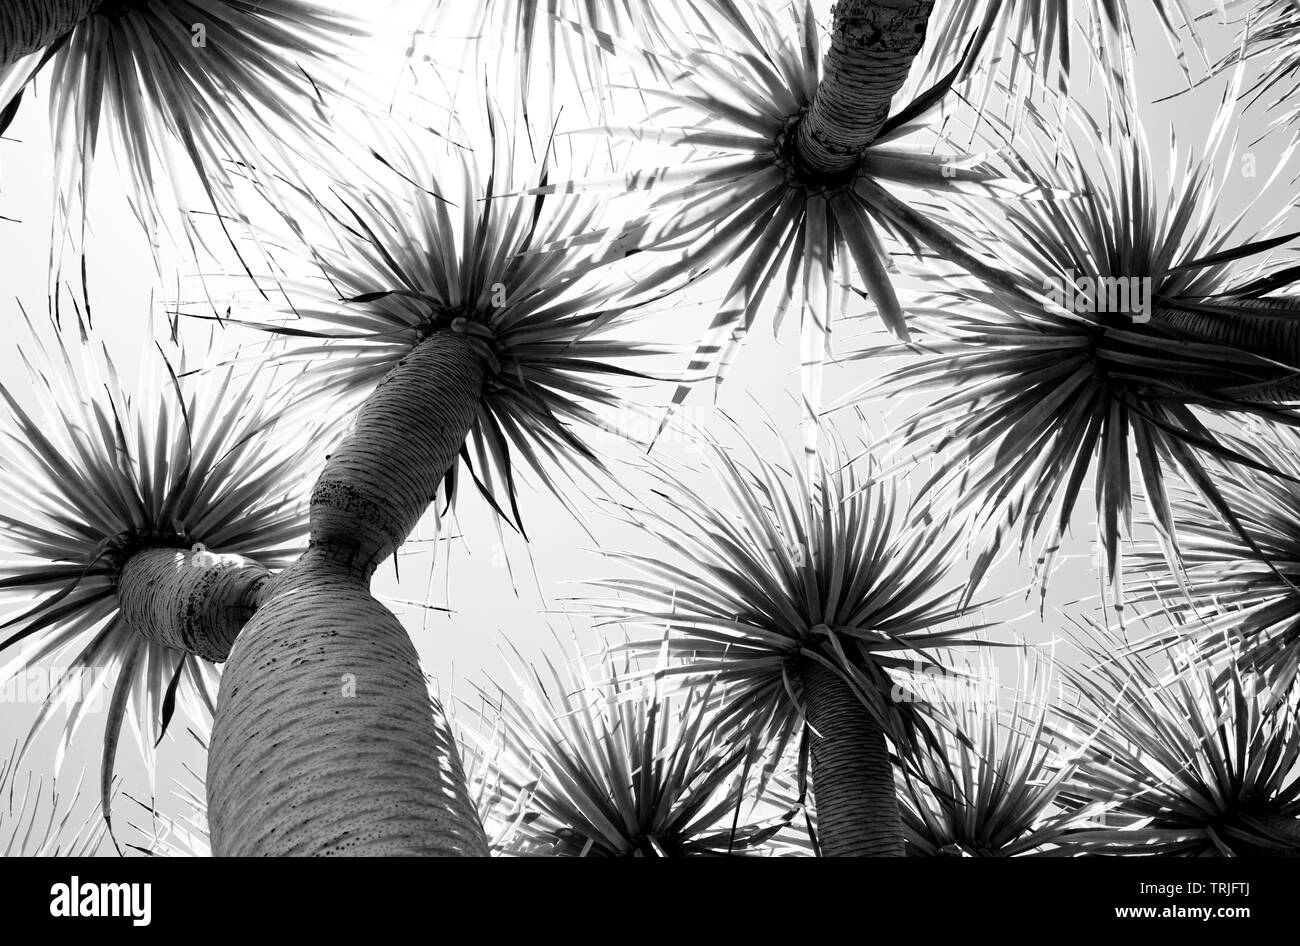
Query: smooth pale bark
{"points": [[325, 739], [873, 44], [852, 776], [29, 25], [193, 601], [1270, 336]]}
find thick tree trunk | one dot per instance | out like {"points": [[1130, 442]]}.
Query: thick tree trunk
{"points": [[193, 601], [382, 478], [29, 25], [325, 739], [1267, 335], [852, 776], [873, 43]]}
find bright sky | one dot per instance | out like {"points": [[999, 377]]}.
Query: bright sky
{"points": [[496, 589]]}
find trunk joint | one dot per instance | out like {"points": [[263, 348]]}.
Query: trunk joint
{"points": [[785, 148]]}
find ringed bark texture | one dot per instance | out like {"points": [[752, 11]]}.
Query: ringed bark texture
{"points": [[852, 777], [873, 43], [30, 25], [385, 473], [1272, 334], [197, 602], [326, 741]]}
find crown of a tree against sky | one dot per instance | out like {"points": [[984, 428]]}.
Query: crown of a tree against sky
{"points": [[556, 428]]}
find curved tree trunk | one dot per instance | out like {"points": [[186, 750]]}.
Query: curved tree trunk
{"points": [[326, 740], [873, 43], [384, 475], [852, 776], [192, 601], [29, 25], [1267, 335]]}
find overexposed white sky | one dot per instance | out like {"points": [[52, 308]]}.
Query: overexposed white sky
{"points": [[498, 588]]}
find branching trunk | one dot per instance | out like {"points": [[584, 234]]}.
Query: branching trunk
{"points": [[852, 776], [197, 602], [873, 43], [1269, 335], [29, 25], [326, 740]]}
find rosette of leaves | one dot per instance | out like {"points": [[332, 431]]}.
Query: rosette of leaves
{"points": [[1236, 595], [1186, 762], [139, 529], [433, 249], [800, 596], [796, 169], [1153, 317], [990, 786], [600, 761], [442, 325], [204, 82]]}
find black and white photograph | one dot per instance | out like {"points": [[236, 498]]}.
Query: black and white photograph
{"points": [[729, 429]]}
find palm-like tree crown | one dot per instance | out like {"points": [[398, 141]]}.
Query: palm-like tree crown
{"points": [[95, 475], [1184, 764], [1237, 593], [614, 767], [798, 565], [204, 82], [1035, 395], [470, 300], [413, 254], [735, 90], [990, 786]]}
